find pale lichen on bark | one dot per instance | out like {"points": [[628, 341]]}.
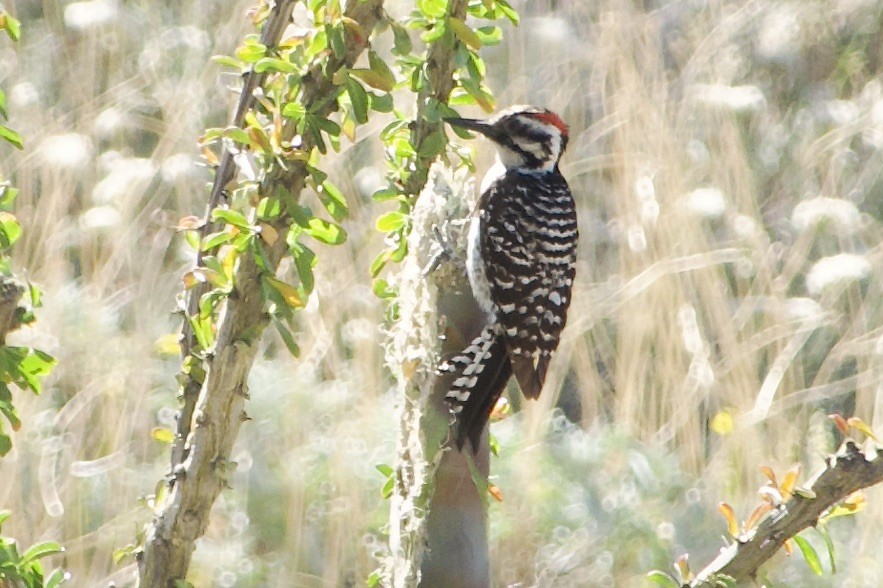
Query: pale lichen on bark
{"points": [[436, 314]]}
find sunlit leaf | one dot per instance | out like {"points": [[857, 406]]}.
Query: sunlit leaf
{"points": [[325, 231], [464, 33], [213, 240], [333, 200], [391, 221], [274, 64], [860, 425], [789, 482], [232, 217], [822, 529], [730, 516], [432, 8], [382, 289], [167, 345], [40, 550], [757, 514], [11, 25], [251, 52], [11, 137], [288, 292], [228, 61], [809, 554], [10, 229], [771, 476], [163, 435]]}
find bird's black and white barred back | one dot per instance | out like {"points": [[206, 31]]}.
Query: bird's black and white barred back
{"points": [[521, 264]]}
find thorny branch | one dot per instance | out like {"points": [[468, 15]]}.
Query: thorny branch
{"points": [[216, 407], [847, 471], [271, 34]]}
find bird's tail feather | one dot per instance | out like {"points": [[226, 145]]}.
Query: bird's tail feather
{"points": [[480, 374]]}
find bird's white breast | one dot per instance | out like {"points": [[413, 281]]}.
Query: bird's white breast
{"points": [[481, 289]]}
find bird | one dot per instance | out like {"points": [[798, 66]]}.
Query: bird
{"points": [[521, 263]]}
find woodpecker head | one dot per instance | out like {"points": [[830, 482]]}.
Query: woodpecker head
{"points": [[527, 137]]}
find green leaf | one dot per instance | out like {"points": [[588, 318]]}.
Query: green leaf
{"points": [[11, 137], [434, 33], [385, 469], [809, 554], [215, 239], [822, 528], [37, 364], [373, 79], [401, 40], [11, 25], [391, 221], [359, 98], [40, 550], [304, 262], [228, 61], [388, 487], [380, 102], [336, 40], [489, 35], [238, 135], [287, 338], [274, 64], [433, 144], [231, 217], [251, 51], [384, 194], [662, 579], [382, 289], [294, 110], [378, 65], [55, 579], [380, 262], [5, 444], [333, 200], [325, 231], [123, 553], [508, 11], [269, 208], [289, 293], [432, 8], [10, 229], [464, 33]]}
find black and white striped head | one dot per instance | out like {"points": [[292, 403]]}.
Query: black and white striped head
{"points": [[529, 138]]}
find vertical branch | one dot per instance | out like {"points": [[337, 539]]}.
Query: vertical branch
{"points": [[218, 407], [224, 174], [436, 503]]}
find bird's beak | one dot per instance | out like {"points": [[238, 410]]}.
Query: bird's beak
{"points": [[472, 124]]}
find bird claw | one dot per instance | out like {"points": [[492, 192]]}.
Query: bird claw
{"points": [[445, 252]]}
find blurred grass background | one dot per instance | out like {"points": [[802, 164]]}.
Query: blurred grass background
{"points": [[726, 157]]}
